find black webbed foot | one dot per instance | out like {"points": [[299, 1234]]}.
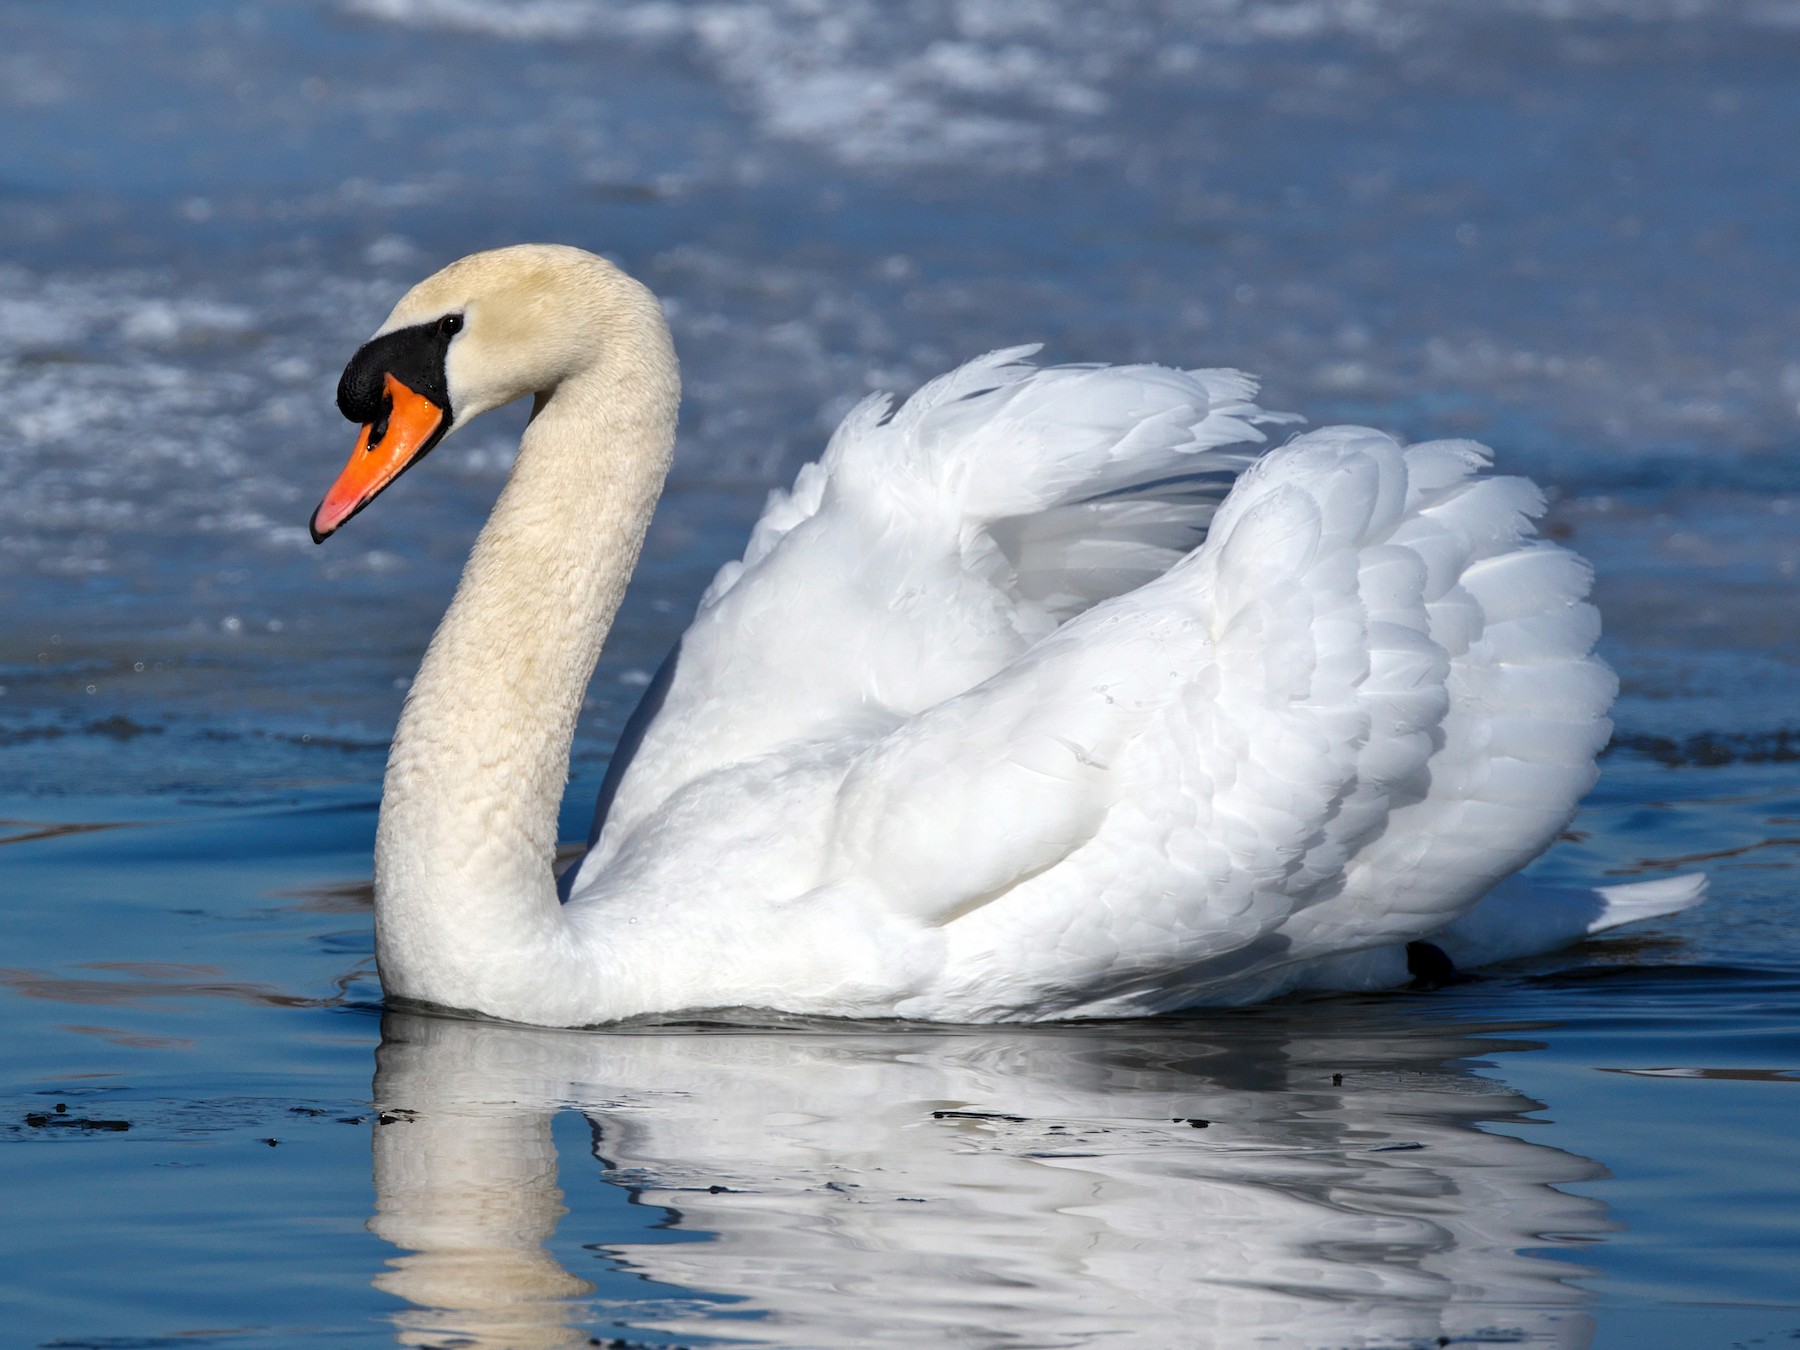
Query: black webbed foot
{"points": [[1430, 966]]}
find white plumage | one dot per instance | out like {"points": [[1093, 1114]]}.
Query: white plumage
{"points": [[1031, 700], [907, 1187], [1367, 696]]}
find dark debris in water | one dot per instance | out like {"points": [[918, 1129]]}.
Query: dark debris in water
{"points": [[344, 897], [1712, 749], [24, 831], [151, 980], [115, 728], [979, 1115], [1692, 974], [59, 1118], [1688, 860], [163, 1119], [186, 1342]]}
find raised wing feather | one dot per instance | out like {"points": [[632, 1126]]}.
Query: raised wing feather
{"points": [[930, 547], [1119, 747]]}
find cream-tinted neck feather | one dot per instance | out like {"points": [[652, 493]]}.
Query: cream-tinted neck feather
{"points": [[467, 900]]}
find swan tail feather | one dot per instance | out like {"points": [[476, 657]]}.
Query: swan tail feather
{"points": [[1515, 920], [1648, 899], [1518, 919]]}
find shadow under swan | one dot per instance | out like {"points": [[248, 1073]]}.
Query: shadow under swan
{"points": [[1310, 1176]]}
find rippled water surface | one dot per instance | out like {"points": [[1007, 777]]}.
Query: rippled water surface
{"points": [[1564, 228]]}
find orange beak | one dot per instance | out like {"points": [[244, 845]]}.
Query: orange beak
{"points": [[383, 452]]}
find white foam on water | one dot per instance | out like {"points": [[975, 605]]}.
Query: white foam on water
{"points": [[1271, 186], [1010, 84], [131, 408]]}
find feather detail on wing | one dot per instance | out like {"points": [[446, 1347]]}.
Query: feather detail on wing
{"points": [[1394, 706], [933, 544], [1109, 723]]}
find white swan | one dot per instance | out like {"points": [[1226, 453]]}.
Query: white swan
{"points": [[974, 731]]}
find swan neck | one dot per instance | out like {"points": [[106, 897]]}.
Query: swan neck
{"points": [[467, 914]]}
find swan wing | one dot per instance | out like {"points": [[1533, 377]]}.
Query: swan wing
{"points": [[1364, 700], [930, 547]]}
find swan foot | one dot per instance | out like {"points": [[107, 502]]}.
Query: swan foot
{"points": [[1430, 966]]}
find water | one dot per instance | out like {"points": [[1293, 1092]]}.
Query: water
{"points": [[1567, 229]]}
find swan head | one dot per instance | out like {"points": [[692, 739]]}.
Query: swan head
{"points": [[488, 329]]}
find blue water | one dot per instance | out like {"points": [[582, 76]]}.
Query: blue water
{"points": [[1566, 229]]}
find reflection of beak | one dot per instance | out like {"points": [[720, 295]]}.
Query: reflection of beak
{"points": [[411, 425]]}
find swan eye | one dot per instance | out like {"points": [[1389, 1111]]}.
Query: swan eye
{"points": [[450, 325]]}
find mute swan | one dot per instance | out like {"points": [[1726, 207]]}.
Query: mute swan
{"points": [[1018, 707]]}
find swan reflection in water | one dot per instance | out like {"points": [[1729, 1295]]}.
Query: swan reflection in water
{"points": [[1028, 1186]]}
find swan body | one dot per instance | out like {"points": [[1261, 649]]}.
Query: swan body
{"points": [[1040, 696]]}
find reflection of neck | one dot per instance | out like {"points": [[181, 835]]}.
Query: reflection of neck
{"points": [[466, 908], [467, 1185]]}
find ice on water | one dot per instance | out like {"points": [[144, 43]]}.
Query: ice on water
{"points": [[1512, 223]]}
